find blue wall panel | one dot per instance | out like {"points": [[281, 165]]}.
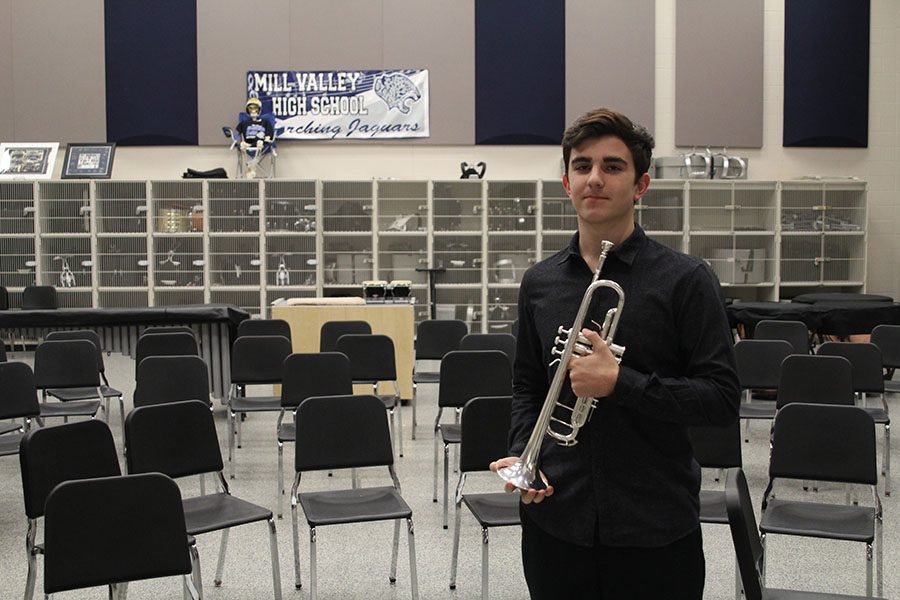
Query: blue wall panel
{"points": [[826, 73], [151, 72], [520, 71]]}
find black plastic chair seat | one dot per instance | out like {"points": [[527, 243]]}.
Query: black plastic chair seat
{"points": [[75, 408], [757, 410], [451, 433], [9, 444], [495, 509], [832, 521], [214, 512], [354, 506], [878, 414], [287, 432], [9, 427], [241, 404], [86, 393], [712, 507], [429, 377]]}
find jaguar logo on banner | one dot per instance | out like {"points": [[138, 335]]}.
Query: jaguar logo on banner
{"points": [[338, 105]]}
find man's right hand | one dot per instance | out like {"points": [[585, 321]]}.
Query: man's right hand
{"points": [[527, 496]]}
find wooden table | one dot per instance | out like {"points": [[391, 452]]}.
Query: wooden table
{"points": [[394, 320]]}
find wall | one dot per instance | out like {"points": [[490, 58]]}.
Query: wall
{"points": [[879, 164]]}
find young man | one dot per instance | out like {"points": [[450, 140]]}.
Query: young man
{"points": [[619, 517]]}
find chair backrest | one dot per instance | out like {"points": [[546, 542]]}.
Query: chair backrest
{"points": [[178, 343], [81, 334], [504, 342], [815, 379], [167, 329], [371, 356], [39, 297], [264, 327], [18, 395], [338, 432], [795, 332], [113, 530], [176, 438], [717, 447], [759, 362], [315, 374], [66, 364], [50, 455], [466, 374], [823, 442], [744, 532], [332, 330], [887, 338], [163, 379], [865, 360], [485, 432], [437, 337], [259, 359]]}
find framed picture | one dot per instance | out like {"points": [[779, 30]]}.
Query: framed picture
{"points": [[27, 160], [88, 161]]}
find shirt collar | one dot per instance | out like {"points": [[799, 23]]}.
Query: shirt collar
{"points": [[627, 251]]}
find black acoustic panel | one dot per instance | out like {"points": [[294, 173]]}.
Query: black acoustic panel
{"points": [[520, 72], [151, 72], [826, 73]]}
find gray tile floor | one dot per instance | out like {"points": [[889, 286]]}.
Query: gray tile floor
{"points": [[354, 560]]}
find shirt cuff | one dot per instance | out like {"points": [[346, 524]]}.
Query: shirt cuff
{"points": [[629, 386]]}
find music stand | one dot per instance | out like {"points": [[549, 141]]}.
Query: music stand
{"points": [[431, 290]]}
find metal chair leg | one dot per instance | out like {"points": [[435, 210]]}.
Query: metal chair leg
{"points": [[221, 564], [454, 560], [279, 493], [276, 564], [485, 545], [886, 461], [32, 559], [395, 548], [296, 534], [196, 574], [413, 576], [436, 438], [231, 443], [413, 402], [446, 477], [312, 563]]}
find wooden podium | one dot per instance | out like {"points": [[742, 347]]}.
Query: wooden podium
{"points": [[394, 320]]}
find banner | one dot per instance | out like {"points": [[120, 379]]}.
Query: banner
{"points": [[344, 104]]}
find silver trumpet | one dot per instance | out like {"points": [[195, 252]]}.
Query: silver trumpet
{"points": [[524, 473]]}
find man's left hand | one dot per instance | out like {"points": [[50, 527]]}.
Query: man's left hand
{"points": [[594, 375]]}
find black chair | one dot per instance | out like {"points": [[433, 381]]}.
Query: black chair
{"points": [[88, 393], [153, 329], [434, 339], [887, 338], [372, 361], [465, 374], [824, 442], [62, 364], [485, 431], [795, 332], [331, 331], [176, 343], [717, 448], [339, 432], [18, 400], [815, 379], [865, 360], [307, 375], [163, 379], [50, 455], [759, 370], [179, 439], [264, 327], [255, 360], [749, 549], [39, 297], [112, 530], [504, 342]]}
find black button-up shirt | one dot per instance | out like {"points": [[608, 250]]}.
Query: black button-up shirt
{"points": [[631, 480]]}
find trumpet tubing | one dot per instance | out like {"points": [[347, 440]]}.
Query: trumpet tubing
{"points": [[524, 474]]}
